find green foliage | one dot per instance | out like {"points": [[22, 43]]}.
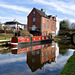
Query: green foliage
{"points": [[64, 34], [64, 25], [72, 26], [17, 34], [50, 34]]}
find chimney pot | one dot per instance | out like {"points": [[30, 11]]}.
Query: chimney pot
{"points": [[42, 10]]}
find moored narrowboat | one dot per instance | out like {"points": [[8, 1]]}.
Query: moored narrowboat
{"points": [[17, 41]]}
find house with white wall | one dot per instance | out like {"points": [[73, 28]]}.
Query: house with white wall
{"points": [[16, 25]]}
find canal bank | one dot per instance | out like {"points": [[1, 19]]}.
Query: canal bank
{"points": [[69, 68]]}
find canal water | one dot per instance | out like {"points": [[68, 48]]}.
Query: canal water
{"points": [[45, 59]]}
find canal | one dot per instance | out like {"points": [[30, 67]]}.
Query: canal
{"points": [[45, 59]]}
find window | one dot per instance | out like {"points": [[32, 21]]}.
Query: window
{"points": [[50, 60], [47, 21], [53, 22], [47, 26], [42, 53], [53, 50], [33, 19], [33, 27], [51, 27], [38, 52], [46, 58], [50, 51], [53, 56], [33, 52], [46, 52], [33, 12], [33, 60], [43, 25], [42, 38]]}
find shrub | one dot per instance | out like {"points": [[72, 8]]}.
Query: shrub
{"points": [[50, 34]]}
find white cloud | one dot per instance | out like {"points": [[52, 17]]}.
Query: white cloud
{"points": [[14, 7], [63, 7], [12, 60], [71, 20], [18, 18], [60, 62]]}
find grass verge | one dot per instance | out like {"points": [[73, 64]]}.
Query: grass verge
{"points": [[69, 68], [5, 36]]}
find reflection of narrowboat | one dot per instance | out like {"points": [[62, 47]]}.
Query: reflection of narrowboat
{"points": [[31, 48], [30, 40]]}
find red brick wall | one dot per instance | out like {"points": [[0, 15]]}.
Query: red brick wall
{"points": [[39, 23], [38, 19], [50, 56], [44, 21]]}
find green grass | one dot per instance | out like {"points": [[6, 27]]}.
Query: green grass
{"points": [[69, 68], [5, 36]]}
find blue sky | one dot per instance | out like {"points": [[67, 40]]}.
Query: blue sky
{"points": [[19, 9]]}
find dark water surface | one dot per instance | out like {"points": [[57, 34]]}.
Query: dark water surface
{"points": [[47, 59]]}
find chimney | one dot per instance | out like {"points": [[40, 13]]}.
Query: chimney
{"points": [[42, 10]]}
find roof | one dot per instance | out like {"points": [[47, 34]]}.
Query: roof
{"points": [[42, 13], [13, 22]]}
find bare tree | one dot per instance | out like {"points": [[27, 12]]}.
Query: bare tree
{"points": [[7, 27], [1, 27], [72, 26]]}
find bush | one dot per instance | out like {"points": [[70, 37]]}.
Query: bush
{"points": [[17, 34], [50, 34]]}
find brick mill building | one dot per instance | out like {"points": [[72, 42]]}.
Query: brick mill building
{"points": [[41, 24]]}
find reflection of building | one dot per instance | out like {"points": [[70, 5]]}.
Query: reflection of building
{"points": [[39, 55], [37, 59]]}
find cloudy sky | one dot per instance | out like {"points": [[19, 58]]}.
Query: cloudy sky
{"points": [[19, 9]]}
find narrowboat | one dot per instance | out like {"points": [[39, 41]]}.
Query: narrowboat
{"points": [[19, 41]]}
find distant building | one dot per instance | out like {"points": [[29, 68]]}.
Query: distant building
{"points": [[16, 25], [41, 24]]}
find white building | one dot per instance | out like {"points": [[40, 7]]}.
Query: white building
{"points": [[16, 25], [57, 25]]}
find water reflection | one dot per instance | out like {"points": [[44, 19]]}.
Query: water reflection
{"points": [[38, 56], [45, 59]]}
